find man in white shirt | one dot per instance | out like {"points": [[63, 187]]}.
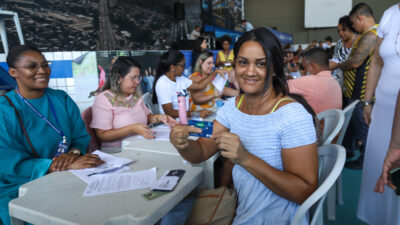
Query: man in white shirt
{"points": [[247, 26], [195, 33]]}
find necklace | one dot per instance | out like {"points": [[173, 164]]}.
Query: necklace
{"points": [[259, 111], [395, 43], [226, 55]]}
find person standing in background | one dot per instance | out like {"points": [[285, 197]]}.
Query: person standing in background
{"points": [[355, 74], [200, 45], [247, 26], [195, 33], [343, 47], [327, 43], [392, 159], [383, 80], [148, 80]]}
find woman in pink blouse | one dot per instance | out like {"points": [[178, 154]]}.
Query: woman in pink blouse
{"points": [[119, 111]]}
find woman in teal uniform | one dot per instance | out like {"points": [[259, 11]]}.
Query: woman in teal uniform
{"points": [[55, 138]]}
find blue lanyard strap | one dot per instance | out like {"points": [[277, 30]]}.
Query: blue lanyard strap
{"points": [[41, 116]]}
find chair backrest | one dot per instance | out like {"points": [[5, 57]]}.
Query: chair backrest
{"points": [[331, 161], [348, 112], [147, 98], [94, 143], [333, 122]]}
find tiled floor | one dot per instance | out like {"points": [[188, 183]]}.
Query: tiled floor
{"points": [[346, 213]]}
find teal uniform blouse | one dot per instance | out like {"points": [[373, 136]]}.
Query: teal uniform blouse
{"points": [[18, 165]]}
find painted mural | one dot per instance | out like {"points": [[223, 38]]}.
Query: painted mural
{"points": [[82, 25]]}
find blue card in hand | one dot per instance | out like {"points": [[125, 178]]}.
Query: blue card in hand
{"points": [[207, 128]]}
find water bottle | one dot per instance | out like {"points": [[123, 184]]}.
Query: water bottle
{"points": [[182, 109]]}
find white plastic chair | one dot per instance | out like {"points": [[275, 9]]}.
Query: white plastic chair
{"points": [[337, 189], [331, 161], [147, 98], [333, 122], [348, 112]]}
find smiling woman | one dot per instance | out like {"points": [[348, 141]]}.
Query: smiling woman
{"points": [[207, 97], [265, 133], [119, 111], [25, 71], [55, 135]]}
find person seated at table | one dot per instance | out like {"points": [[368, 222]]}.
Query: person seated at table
{"points": [[266, 134], [225, 173], [119, 111], [319, 87], [207, 97], [224, 60], [169, 81], [49, 118]]}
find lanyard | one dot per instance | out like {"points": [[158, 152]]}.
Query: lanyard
{"points": [[41, 116]]}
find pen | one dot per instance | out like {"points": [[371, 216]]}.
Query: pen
{"points": [[92, 174]]}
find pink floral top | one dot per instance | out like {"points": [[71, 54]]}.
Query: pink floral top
{"points": [[111, 112]]}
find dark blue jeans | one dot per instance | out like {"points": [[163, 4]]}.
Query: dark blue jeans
{"points": [[179, 214], [357, 129]]}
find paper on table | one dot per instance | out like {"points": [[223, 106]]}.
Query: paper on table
{"points": [[220, 81], [113, 183], [162, 132], [83, 176], [112, 164]]}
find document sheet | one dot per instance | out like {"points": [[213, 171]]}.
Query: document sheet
{"points": [[113, 165], [161, 132], [220, 81], [113, 183]]}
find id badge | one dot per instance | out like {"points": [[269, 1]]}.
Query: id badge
{"points": [[61, 148]]}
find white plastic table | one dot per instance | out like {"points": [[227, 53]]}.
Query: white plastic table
{"points": [[57, 197], [164, 147]]}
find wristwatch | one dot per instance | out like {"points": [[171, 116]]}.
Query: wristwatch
{"points": [[366, 103], [75, 151]]}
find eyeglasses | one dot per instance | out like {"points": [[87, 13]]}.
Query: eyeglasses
{"points": [[34, 67], [182, 65], [138, 78]]}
